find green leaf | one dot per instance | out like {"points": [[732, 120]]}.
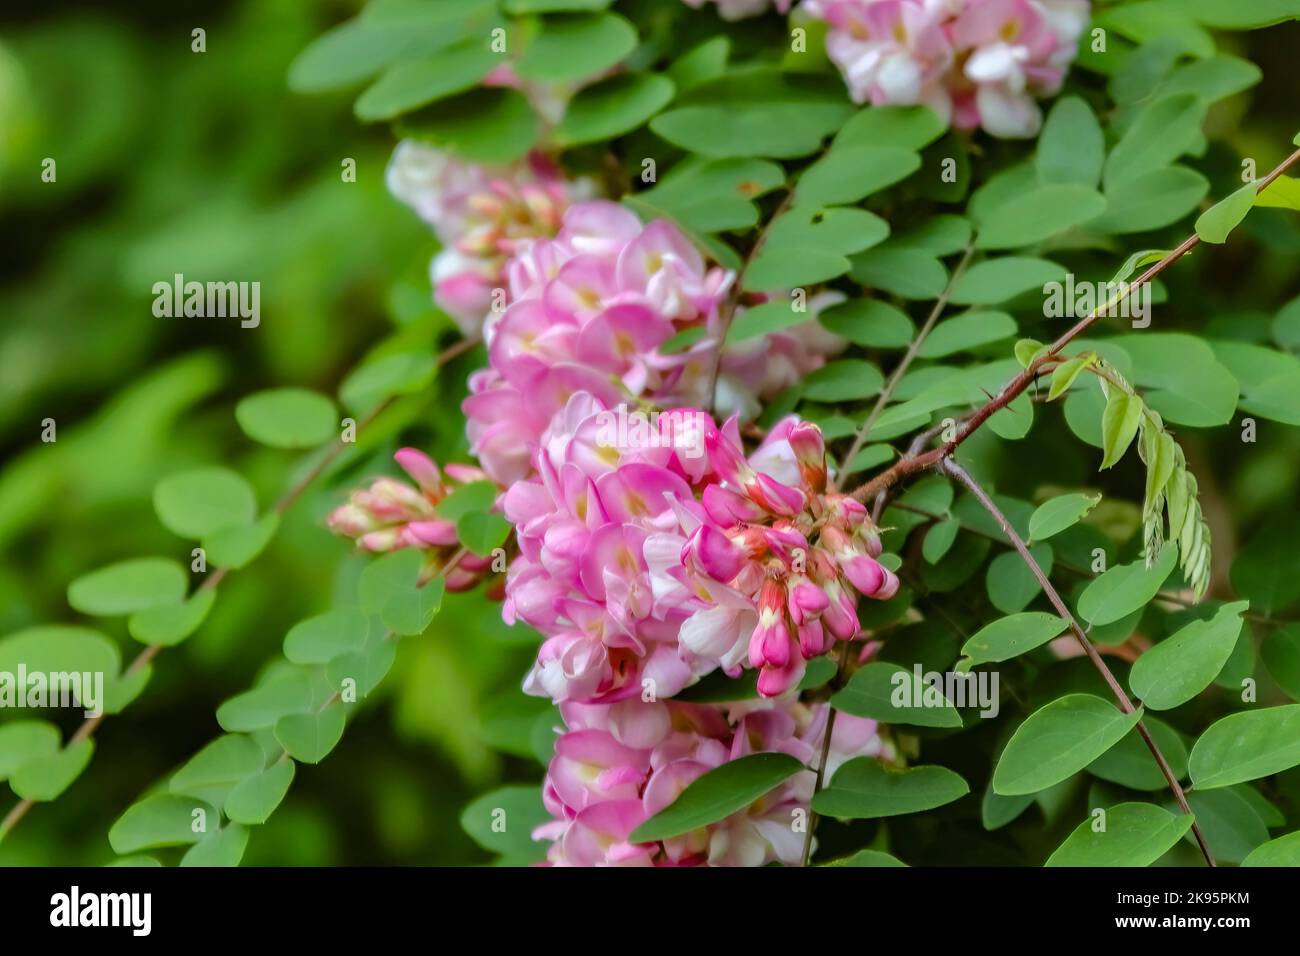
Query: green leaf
{"points": [[848, 174], [1135, 834], [1119, 425], [1010, 637], [320, 639], [310, 737], [410, 84], [1026, 350], [1130, 764], [1281, 193], [238, 545], [1057, 741], [808, 245], [1284, 851], [1280, 651], [503, 821], [571, 48], [367, 668], [893, 694], [411, 612], [612, 107], [909, 127], [997, 280], [254, 799], [61, 649], [867, 858], [353, 51], [261, 707], [863, 789], [170, 624], [1063, 375], [1071, 147], [1184, 664], [1124, 588], [44, 777], [718, 794], [225, 847], [25, 740], [1057, 514], [1217, 222], [905, 271], [843, 380], [402, 373], [1150, 200], [870, 323], [965, 332], [1164, 129], [939, 539], [488, 125], [387, 576], [167, 820], [128, 586], [1011, 585], [703, 63], [287, 418], [710, 195], [477, 496], [782, 130], [1038, 213], [195, 503], [210, 773], [483, 532], [1246, 746]]}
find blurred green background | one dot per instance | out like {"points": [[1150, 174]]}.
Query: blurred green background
{"points": [[205, 164]]}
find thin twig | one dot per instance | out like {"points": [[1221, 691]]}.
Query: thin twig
{"points": [[1125, 704], [913, 348], [838, 680], [728, 313]]}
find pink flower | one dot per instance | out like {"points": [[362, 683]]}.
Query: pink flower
{"points": [[481, 216], [391, 514], [976, 63], [617, 765]]}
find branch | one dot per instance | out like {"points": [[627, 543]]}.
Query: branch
{"points": [[728, 314], [1125, 704], [836, 683], [912, 349], [907, 466], [213, 581]]}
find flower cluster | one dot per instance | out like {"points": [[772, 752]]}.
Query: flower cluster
{"points": [[618, 765], [647, 566], [590, 310], [392, 514], [480, 216], [652, 549], [976, 63]]}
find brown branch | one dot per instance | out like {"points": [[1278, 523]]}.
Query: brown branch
{"points": [[913, 348], [1012, 390], [1125, 704], [212, 581]]}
